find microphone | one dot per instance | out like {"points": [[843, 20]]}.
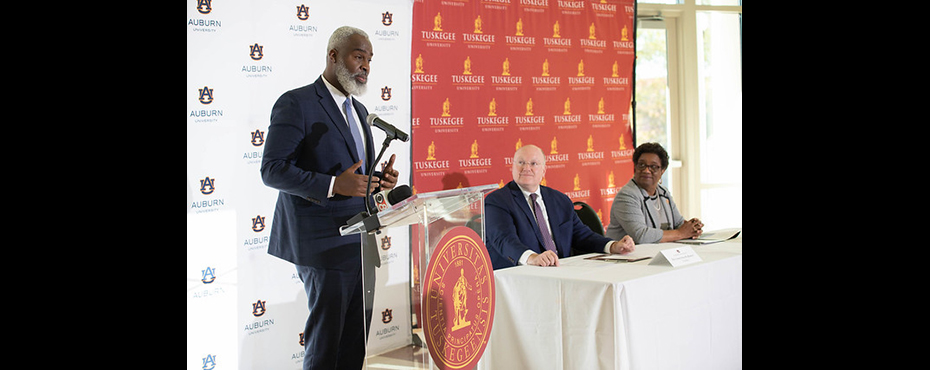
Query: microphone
{"points": [[399, 194], [392, 132], [386, 198]]}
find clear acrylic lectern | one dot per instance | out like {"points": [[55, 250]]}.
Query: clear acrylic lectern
{"points": [[396, 330]]}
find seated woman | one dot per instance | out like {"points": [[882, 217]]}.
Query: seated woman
{"points": [[644, 209]]}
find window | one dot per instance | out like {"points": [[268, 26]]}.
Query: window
{"points": [[721, 122], [652, 93], [699, 103]]}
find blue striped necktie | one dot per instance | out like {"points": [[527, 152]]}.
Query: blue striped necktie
{"points": [[359, 147]]}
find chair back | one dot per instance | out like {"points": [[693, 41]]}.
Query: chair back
{"points": [[475, 224], [589, 217]]}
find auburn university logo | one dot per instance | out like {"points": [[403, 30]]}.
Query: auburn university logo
{"points": [[385, 93], [209, 362], [209, 275], [206, 95], [258, 308], [258, 223], [387, 315], [256, 51], [303, 12], [258, 138], [203, 6], [207, 185], [386, 242], [458, 300], [387, 18]]}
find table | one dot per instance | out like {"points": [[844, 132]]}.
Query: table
{"points": [[590, 314]]}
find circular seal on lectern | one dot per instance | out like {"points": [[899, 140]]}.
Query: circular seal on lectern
{"points": [[458, 300]]}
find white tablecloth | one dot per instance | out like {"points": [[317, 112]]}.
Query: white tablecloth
{"points": [[590, 314]]}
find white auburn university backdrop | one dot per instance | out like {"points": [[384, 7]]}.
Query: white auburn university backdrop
{"points": [[245, 308], [477, 80]]}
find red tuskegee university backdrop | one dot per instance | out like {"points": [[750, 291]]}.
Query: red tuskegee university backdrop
{"points": [[489, 76]]}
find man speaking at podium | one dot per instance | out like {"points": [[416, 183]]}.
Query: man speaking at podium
{"points": [[530, 224], [318, 155]]}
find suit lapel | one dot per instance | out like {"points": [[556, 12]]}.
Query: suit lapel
{"points": [[653, 216], [524, 207], [335, 116], [366, 130], [555, 217], [666, 207]]}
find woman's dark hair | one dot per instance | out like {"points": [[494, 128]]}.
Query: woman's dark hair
{"points": [[653, 148]]}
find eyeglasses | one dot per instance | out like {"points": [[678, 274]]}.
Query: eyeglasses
{"points": [[642, 166], [532, 164]]}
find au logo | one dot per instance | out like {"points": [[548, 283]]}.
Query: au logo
{"points": [[207, 186], [458, 300], [256, 51], [258, 138], [203, 6], [258, 223], [387, 315], [209, 275], [387, 18], [206, 95], [301, 339], [209, 362], [258, 308], [303, 12], [386, 242], [385, 93]]}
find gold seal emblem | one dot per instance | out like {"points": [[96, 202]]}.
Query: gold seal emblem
{"points": [[458, 300]]}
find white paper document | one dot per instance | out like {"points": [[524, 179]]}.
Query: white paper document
{"points": [[713, 236], [640, 252], [617, 257]]}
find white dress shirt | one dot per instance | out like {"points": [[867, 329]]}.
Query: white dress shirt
{"points": [[542, 206], [340, 99]]}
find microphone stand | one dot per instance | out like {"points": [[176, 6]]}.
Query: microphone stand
{"points": [[371, 171], [371, 221]]}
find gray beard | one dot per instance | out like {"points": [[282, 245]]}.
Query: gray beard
{"points": [[348, 82]]}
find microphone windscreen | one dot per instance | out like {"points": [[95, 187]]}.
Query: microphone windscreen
{"points": [[398, 194]]}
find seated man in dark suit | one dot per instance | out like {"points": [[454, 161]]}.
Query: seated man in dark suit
{"points": [[529, 224]]}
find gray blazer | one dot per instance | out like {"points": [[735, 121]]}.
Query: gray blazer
{"points": [[629, 214]]}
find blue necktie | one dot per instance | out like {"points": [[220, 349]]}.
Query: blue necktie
{"points": [[547, 238], [359, 147]]}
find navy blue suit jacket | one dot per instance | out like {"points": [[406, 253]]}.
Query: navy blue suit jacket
{"points": [[511, 228], [308, 143]]}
